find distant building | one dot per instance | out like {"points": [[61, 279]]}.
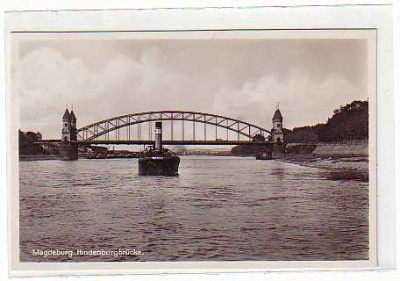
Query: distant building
{"points": [[277, 127]]}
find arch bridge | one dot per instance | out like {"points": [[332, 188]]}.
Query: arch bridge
{"points": [[180, 128]]}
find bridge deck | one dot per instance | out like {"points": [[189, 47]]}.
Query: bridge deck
{"points": [[165, 142]]}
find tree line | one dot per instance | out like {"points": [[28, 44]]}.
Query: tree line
{"points": [[27, 145], [349, 122]]}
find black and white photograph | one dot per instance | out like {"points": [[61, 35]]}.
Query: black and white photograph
{"points": [[249, 145]]}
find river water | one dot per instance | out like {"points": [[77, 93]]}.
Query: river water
{"points": [[217, 209]]}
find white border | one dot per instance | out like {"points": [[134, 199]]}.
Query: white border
{"points": [[378, 17]]}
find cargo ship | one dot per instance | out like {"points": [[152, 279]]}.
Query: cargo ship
{"points": [[158, 160]]}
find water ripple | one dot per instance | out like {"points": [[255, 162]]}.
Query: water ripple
{"points": [[220, 208]]}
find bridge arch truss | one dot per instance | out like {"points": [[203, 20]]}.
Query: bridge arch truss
{"points": [[103, 128]]}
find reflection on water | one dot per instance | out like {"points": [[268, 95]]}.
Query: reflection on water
{"points": [[345, 175], [217, 209]]}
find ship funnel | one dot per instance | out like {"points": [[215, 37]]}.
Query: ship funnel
{"points": [[158, 138]]}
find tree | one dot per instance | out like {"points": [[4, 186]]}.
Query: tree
{"points": [[27, 145], [348, 122], [258, 137]]}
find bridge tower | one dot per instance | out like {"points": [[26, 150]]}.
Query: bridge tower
{"points": [[69, 133], [277, 127]]}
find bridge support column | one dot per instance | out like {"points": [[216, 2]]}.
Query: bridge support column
{"points": [[68, 151], [278, 150]]}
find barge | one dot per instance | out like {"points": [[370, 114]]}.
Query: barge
{"points": [[264, 155]]}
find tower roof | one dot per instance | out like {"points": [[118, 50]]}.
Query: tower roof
{"points": [[73, 117], [277, 116], [66, 115]]}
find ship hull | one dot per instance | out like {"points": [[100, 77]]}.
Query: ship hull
{"points": [[264, 155], [165, 166]]}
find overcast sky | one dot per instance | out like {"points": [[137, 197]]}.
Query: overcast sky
{"points": [[236, 78]]}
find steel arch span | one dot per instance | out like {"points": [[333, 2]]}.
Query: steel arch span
{"points": [[104, 127]]}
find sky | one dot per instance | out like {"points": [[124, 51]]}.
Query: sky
{"points": [[236, 78]]}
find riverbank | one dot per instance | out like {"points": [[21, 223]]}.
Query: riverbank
{"points": [[336, 167], [38, 157]]}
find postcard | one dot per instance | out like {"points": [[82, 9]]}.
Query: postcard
{"points": [[152, 151]]}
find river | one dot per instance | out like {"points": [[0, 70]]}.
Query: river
{"points": [[217, 209]]}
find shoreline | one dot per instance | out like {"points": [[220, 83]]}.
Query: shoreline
{"points": [[38, 157], [338, 167]]}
